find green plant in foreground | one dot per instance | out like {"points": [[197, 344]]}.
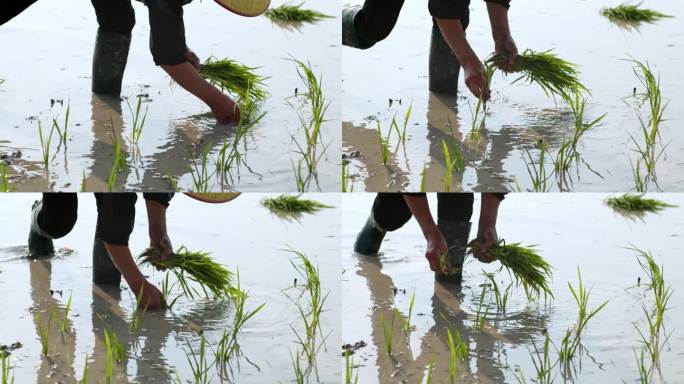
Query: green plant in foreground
{"points": [[636, 203], [4, 178], [347, 182], [64, 326], [167, 291], [294, 14], [139, 311], [84, 378], [384, 145], [528, 268], [138, 124], [388, 332], [542, 362], [300, 373], [500, 298], [458, 350], [114, 347], [632, 15], [537, 171], [200, 172], [479, 116], [292, 206], [572, 341], [45, 144], [349, 369], [481, 316], [451, 163], [119, 165], [189, 266], [44, 333], [553, 74], [62, 133], [198, 362], [6, 379], [428, 379], [240, 80], [407, 323]]}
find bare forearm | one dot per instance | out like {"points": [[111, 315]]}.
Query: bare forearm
{"points": [[156, 218], [498, 18], [124, 262], [489, 209], [454, 35], [418, 205], [192, 81]]}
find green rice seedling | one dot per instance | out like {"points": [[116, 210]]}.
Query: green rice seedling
{"points": [[572, 341], [138, 124], [4, 179], [189, 266], [553, 74], [384, 145], [114, 346], [45, 144], [640, 182], [6, 378], [83, 182], [537, 171], [500, 298], [650, 128], [428, 379], [238, 79], [645, 372], [481, 315], [200, 172], [458, 350], [139, 312], [423, 180], [407, 323], [84, 378], [292, 206], [349, 369], [199, 365], [542, 362], [479, 115], [347, 182], [301, 180], [167, 291], [407, 117], [228, 346], [636, 204], [528, 268], [119, 165], [44, 333], [62, 133], [452, 163], [64, 326], [388, 332], [300, 372], [630, 16], [289, 14]]}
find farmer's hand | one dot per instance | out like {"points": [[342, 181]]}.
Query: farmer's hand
{"points": [[161, 243], [436, 249], [149, 297], [486, 237], [192, 59], [506, 47], [224, 109], [476, 78]]}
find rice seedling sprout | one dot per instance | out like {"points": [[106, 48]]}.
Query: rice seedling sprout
{"points": [[630, 16], [44, 333], [6, 378], [138, 124], [294, 14], [45, 144], [388, 332], [64, 326], [292, 206], [636, 204]]}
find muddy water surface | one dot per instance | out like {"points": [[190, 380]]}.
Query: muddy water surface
{"points": [[234, 232], [520, 116], [49, 51], [573, 232]]}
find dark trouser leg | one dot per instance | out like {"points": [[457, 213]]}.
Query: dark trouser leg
{"points": [[454, 211], [51, 218], [11, 8], [389, 213], [116, 19], [444, 66], [115, 219], [362, 27]]}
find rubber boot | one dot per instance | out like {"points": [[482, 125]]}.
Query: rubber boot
{"points": [[104, 271], [39, 242], [368, 241], [456, 234], [109, 62], [444, 66], [350, 36]]}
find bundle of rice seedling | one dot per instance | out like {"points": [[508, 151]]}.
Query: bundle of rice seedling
{"points": [[294, 14], [552, 73], [528, 268], [632, 14], [636, 203], [238, 79], [194, 266], [292, 206]]}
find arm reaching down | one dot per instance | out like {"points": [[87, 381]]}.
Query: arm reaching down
{"points": [[436, 244], [486, 232], [149, 296]]}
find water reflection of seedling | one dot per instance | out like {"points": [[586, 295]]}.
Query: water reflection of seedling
{"points": [[572, 341], [292, 206], [6, 378], [553, 74], [44, 333], [542, 362], [62, 133], [537, 171], [458, 350], [453, 161], [650, 128], [630, 16], [636, 204], [525, 263], [299, 371], [64, 326], [45, 144], [347, 182], [84, 378], [199, 365], [482, 309], [119, 165], [406, 121], [407, 323], [114, 347], [349, 369], [200, 172], [388, 332], [167, 291], [384, 144], [139, 311], [500, 298], [294, 14], [645, 372], [138, 124], [428, 379]]}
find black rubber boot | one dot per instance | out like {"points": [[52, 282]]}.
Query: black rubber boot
{"points": [[104, 271], [109, 61], [444, 66], [350, 36], [456, 234], [39, 243], [368, 241]]}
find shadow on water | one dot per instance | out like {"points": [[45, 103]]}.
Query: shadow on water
{"points": [[487, 360]]}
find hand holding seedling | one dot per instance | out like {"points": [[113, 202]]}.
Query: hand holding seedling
{"points": [[159, 238], [504, 44], [436, 244], [486, 232], [192, 58], [436, 249]]}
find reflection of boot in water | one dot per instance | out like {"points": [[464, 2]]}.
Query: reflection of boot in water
{"points": [[444, 66], [104, 271], [456, 235], [368, 241], [39, 243], [109, 61], [350, 36]]}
